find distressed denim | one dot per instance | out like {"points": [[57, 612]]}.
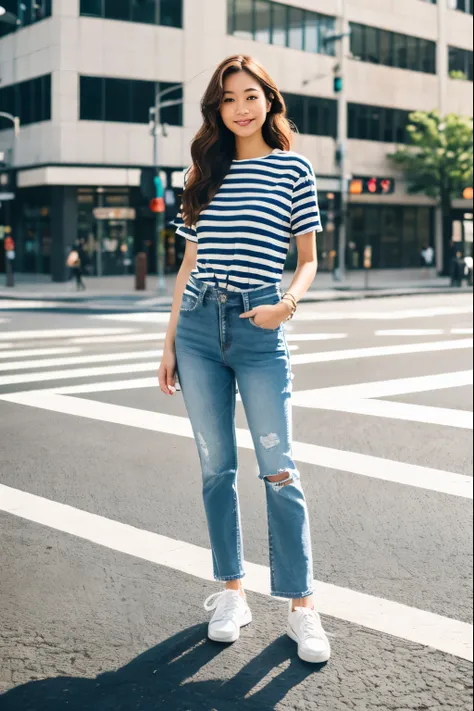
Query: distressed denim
{"points": [[219, 354]]}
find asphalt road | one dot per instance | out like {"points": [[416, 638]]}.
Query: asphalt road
{"points": [[104, 553]]}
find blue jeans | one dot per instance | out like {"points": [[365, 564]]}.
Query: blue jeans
{"points": [[216, 351]]}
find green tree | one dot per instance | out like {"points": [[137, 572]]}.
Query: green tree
{"points": [[438, 162]]}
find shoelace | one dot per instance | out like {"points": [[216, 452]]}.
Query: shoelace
{"points": [[312, 627], [222, 601]]}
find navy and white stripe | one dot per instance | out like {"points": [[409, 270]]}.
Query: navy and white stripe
{"points": [[244, 234]]}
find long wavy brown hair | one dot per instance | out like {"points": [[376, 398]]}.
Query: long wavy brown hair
{"points": [[213, 147]]}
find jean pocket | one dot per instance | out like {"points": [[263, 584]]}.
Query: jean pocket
{"points": [[262, 328], [256, 301], [189, 302]]}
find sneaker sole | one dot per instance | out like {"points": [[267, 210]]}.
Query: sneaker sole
{"points": [[310, 658], [232, 638]]}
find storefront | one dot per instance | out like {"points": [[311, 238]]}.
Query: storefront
{"points": [[396, 233]]}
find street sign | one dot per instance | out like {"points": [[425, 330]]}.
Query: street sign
{"points": [[157, 205]]}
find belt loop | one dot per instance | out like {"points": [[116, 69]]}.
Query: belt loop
{"points": [[246, 300]]}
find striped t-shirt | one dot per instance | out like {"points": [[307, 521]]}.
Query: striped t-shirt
{"points": [[244, 234]]}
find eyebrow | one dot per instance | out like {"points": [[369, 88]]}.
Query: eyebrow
{"points": [[246, 90]]}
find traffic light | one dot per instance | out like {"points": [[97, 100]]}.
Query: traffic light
{"points": [[468, 194], [372, 186], [338, 84]]}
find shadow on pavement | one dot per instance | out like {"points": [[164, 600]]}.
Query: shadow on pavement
{"points": [[160, 679]]}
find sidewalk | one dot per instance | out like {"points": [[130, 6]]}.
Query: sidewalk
{"points": [[382, 283]]}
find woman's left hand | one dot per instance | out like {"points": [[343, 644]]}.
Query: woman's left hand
{"points": [[268, 315]]}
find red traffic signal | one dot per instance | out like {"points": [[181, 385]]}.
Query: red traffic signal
{"points": [[9, 244], [372, 186], [157, 205]]}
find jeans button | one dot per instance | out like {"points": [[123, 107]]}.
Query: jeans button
{"points": [[223, 298]]}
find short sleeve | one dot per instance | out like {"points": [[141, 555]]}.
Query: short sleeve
{"points": [[305, 214], [189, 233]]}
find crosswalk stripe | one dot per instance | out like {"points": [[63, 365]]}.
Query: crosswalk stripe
{"points": [[73, 373], [40, 335], [462, 331], [37, 352], [316, 336], [412, 332], [385, 616], [133, 338], [326, 457], [81, 360], [324, 357]]}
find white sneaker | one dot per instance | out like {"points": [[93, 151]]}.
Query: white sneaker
{"points": [[231, 613], [305, 628]]}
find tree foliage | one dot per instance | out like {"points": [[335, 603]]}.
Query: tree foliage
{"points": [[439, 161]]}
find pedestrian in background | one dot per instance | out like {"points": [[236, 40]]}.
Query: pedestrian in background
{"points": [[75, 262], [247, 194]]}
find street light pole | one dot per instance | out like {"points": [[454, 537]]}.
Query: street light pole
{"points": [[342, 148], [157, 128]]}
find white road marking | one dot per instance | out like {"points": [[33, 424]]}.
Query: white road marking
{"points": [[387, 388], [40, 335], [5, 320], [335, 459], [306, 358], [4, 346], [74, 373], [37, 352], [462, 331], [133, 338], [385, 616], [356, 399], [146, 317], [412, 332], [293, 348], [13, 305], [316, 336], [81, 360]]}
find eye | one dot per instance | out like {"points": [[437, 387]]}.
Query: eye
{"points": [[252, 97]]}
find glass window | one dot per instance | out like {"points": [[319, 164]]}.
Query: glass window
{"points": [[327, 27], [171, 12], [372, 51], [400, 51], [295, 111], [146, 11], [142, 99], [311, 32], [374, 129], [280, 25], [389, 126], [230, 16], [91, 99], [117, 9], [410, 251], [413, 53], [243, 19], [117, 100], [322, 117], [428, 57], [352, 120], [386, 48], [358, 41], [92, 8], [296, 27], [172, 114], [8, 104], [26, 103], [263, 21], [401, 120], [390, 238]]}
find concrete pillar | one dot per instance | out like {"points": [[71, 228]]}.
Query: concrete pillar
{"points": [[63, 229]]}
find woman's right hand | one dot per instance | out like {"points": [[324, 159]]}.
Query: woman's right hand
{"points": [[167, 372]]}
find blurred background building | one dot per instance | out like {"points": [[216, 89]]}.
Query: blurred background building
{"points": [[82, 75]]}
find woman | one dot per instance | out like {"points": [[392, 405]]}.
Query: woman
{"points": [[246, 195]]}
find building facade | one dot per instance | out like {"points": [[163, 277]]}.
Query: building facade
{"points": [[83, 74]]}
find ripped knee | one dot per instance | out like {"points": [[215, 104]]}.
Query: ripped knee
{"points": [[280, 480]]}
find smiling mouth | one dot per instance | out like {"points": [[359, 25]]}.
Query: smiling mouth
{"points": [[244, 123]]}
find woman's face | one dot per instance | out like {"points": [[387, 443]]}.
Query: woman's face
{"points": [[244, 106]]}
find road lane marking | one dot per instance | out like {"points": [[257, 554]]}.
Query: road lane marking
{"points": [[390, 388], [412, 332], [133, 338], [82, 360], [462, 331], [60, 333], [429, 347], [316, 336], [37, 352], [73, 373], [13, 305], [385, 616], [335, 459]]}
